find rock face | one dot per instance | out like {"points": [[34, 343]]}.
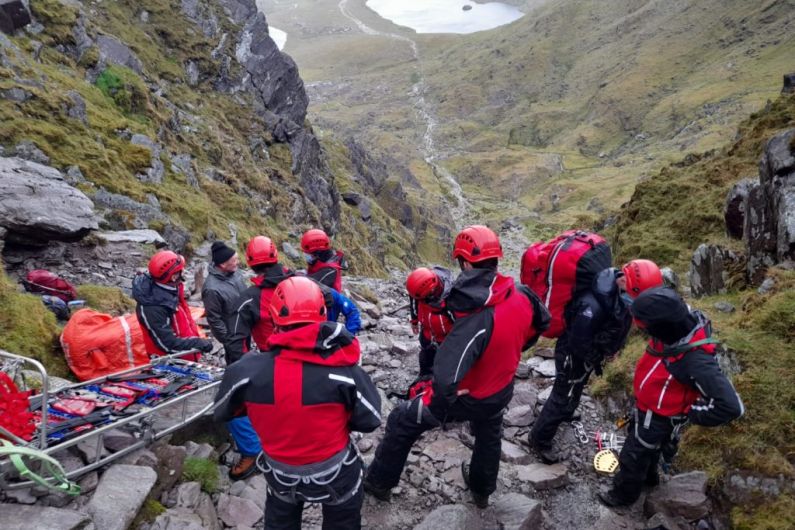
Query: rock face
{"points": [[769, 229], [114, 52], [789, 84], [734, 209], [120, 494], [684, 495], [710, 269], [37, 205]]}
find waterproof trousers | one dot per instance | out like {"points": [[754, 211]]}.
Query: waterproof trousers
{"points": [[245, 437], [427, 355], [403, 430], [648, 435], [284, 512], [571, 376]]}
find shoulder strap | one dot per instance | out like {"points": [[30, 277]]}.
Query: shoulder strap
{"points": [[676, 350]]}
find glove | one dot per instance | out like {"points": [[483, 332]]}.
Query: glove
{"points": [[422, 386], [206, 346]]}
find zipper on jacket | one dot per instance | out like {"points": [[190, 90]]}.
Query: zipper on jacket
{"points": [[662, 393], [653, 368]]}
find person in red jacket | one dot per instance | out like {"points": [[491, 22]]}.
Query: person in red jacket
{"points": [[251, 319], [162, 311], [473, 370], [324, 264], [430, 318], [677, 381], [304, 396]]}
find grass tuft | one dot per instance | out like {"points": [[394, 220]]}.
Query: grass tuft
{"points": [[201, 470]]}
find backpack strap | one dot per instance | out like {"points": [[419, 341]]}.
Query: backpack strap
{"points": [[676, 350]]}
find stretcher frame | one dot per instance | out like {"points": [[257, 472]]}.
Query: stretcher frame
{"points": [[145, 432]]}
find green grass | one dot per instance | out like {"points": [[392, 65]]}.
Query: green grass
{"points": [[106, 299], [150, 510], [201, 470]]}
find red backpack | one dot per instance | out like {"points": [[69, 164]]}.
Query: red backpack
{"points": [[560, 268], [42, 281]]}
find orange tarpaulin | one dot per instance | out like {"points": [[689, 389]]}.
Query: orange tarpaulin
{"points": [[96, 344]]}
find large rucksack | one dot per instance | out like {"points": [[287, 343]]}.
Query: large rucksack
{"points": [[559, 269], [42, 281]]}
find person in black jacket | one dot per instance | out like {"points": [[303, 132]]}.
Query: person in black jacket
{"points": [[221, 290], [304, 396], [677, 381], [597, 325], [473, 369]]}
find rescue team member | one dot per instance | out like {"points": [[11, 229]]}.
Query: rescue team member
{"points": [[430, 318], [597, 325], [324, 264], [221, 289], [473, 370], [677, 380], [162, 311], [305, 395]]}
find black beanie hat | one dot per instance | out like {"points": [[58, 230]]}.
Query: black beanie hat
{"points": [[221, 252], [664, 313]]}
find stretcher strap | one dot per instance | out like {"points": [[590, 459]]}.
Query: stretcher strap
{"points": [[61, 484]]}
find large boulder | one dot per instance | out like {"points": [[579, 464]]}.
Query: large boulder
{"points": [[710, 269], [734, 208], [684, 495], [20, 517], [37, 205], [451, 516], [120, 494], [515, 511]]}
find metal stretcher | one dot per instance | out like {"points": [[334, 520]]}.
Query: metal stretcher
{"points": [[147, 421]]}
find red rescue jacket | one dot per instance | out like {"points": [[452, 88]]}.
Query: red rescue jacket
{"points": [[329, 272]]}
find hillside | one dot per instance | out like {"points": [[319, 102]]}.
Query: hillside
{"points": [[163, 118]]}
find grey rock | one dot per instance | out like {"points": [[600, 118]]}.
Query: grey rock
{"points": [[546, 353], [235, 511], [30, 151], [515, 511], [90, 451], [724, 307], [203, 450], [670, 278], [120, 494], [451, 516], [735, 206], [192, 73], [20, 517], [514, 454], [520, 416], [176, 237], [290, 250], [403, 348], [189, 495], [89, 483], [23, 496], [77, 110], [662, 521], [75, 176], [365, 209], [524, 394], [15, 94], [209, 515], [114, 51], [543, 396], [142, 457], [144, 212], [254, 495], [156, 169], [709, 269], [37, 204], [546, 368], [759, 233], [767, 286], [115, 440], [450, 451], [778, 159], [352, 198], [170, 459], [178, 519], [365, 445], [523, 371], [684, 495], [183, 164], [543, 477], [144, 237]]}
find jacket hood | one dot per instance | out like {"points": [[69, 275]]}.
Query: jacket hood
{"points": [[272, 276], [701, 329], [607, 293], [324, 343], [476, 288], [147, 292]]}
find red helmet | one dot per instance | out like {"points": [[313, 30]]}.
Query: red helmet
{"points": [[641, 274], [477, 243], [423, 283], [261, 251], [315, 240], [297, 300], [165, 264]]}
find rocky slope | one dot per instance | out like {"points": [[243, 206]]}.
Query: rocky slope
{"points": [[182, 117]]}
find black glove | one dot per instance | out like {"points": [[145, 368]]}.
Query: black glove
{"points": [[206, 346]]}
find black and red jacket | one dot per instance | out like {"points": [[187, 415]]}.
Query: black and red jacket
{"points": [[327, 268], [677, 380], [433, 318], [252, 318], [494, 324], [304, 395]]}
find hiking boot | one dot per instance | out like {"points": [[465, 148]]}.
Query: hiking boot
{"points": [[610, 498], [548, 455], [382, 494], [245, 467], [481, 501], [652, 479]]}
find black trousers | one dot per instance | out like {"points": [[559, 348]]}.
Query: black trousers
{"points": [[403, 430], [282, 515], [427, 355], [647, 437], [571, 376]]}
